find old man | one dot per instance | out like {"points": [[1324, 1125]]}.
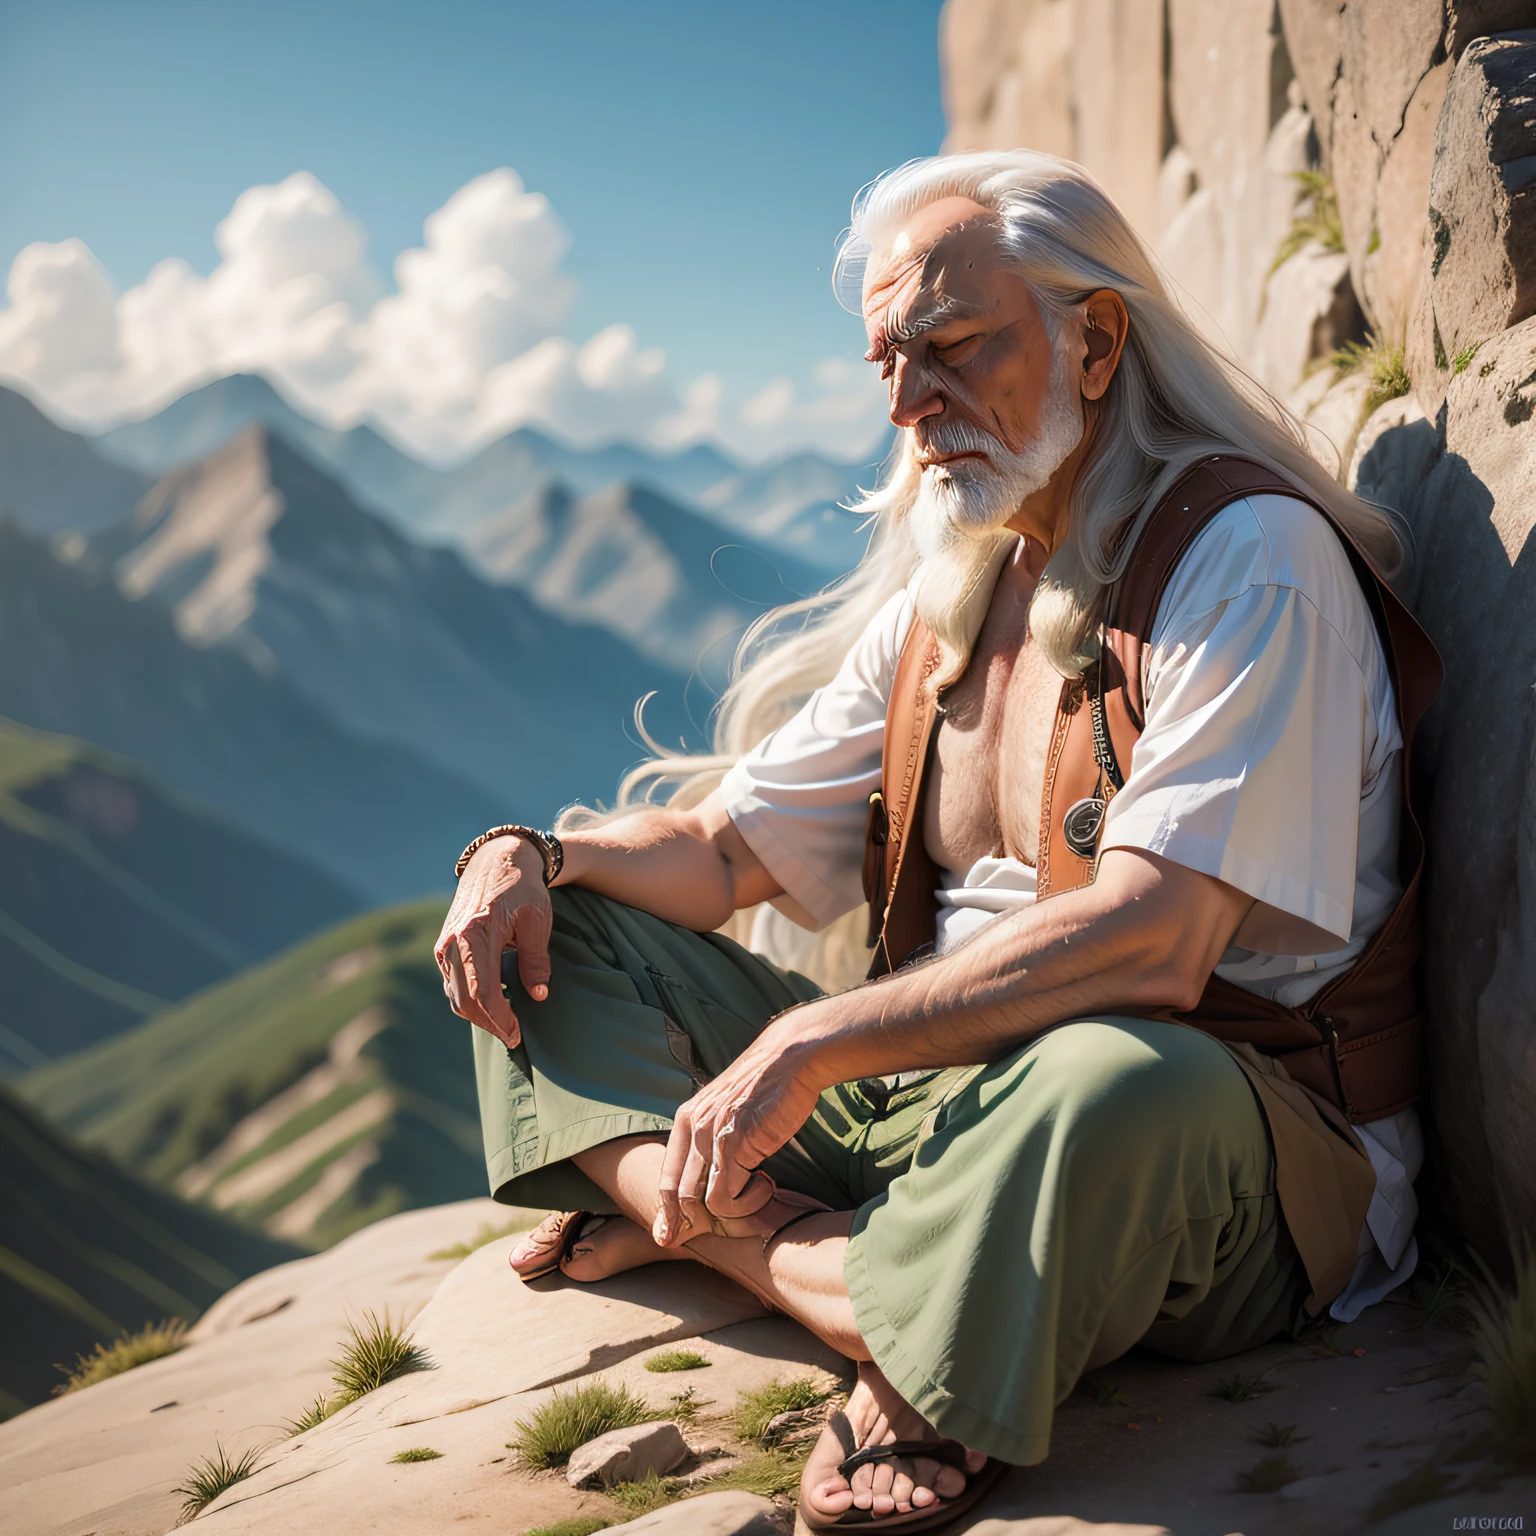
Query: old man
{"points": [[1110, 730]]}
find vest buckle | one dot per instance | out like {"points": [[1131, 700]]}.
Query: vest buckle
{"points": [[1080, 826]]}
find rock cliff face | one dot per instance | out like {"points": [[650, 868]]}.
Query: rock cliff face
{"points": [[1469, 492], [1413, 225], [1197, 115]]}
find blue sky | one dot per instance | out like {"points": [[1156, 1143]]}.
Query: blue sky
{"points": [[701, 155]]}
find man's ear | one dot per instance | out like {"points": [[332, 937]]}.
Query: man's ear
{"points": [[1105, 326]]}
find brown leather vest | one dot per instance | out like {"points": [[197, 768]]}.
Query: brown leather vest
{"points": [[1358, 1042]]}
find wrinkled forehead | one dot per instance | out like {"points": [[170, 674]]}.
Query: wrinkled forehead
{"points": [[940, 261]]}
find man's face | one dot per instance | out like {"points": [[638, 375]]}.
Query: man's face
{"points": [[971, 363]]}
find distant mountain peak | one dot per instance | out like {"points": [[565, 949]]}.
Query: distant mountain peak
{"points": [[204, 532], [53, 481]]}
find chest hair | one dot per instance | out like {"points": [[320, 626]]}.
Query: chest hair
{"points": [[992, 740]]}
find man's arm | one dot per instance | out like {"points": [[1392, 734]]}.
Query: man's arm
{"points": [[1146, 934], [690, 867]]}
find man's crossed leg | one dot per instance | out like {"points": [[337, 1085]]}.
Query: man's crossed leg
{"points": [[992, 1233]]}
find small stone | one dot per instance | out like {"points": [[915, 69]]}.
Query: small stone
{"points": [[627, 1455], [711, 1514]]}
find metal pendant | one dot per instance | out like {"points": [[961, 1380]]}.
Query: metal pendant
{"points": [[1081, 826]]}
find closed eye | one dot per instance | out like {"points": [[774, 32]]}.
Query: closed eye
{"points": [[958, 351]]}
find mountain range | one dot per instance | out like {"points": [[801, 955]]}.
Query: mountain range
{"points": [[495, 680], [789, 505], [91, 1253], [258, 674], [79, 658], [310, 1095], [254, 549], [118, 897], [672, 553], [56, 482]]}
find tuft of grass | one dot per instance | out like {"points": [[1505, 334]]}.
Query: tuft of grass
{"points": [[569, 1419], [1504, 1336], [1242, 1389], [1463, 359], [1316, 217], [213, 1475], [1279, 1437], [1268, 1476], [639, 1498], [416, 1453], [1383, 365], [756, 1410], [151, 1342], [377, 1352], [317, 1413], [768, 1474], [577, 1525], [484, 1234], [676, 1360], [1440, 1298]]}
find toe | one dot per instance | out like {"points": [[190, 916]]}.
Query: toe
{"points": [[863, 1486], [902, 1487], [925, 1473], [948, 1482], [831, 1496], [882, 1502]]}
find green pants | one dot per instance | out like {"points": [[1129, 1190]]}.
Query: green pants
{"points": [[1016, 1224]]}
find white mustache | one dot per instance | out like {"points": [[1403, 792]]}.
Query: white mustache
{"points": [[959, 437]]}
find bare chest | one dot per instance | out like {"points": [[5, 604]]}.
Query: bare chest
{"points": [[991, 747]]}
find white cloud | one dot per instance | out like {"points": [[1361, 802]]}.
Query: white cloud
{"points": [[469, 345], [842, 414], [61, 327]]}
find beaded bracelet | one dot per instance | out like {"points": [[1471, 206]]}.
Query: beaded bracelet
{"points": [[549, 846]]}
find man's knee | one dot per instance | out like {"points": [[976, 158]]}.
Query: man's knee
{"points": [[1119, 1082]]}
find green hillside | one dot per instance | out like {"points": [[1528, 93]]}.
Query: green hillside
{"points": [[118, 897], [88, 1252], [309, 1095]]}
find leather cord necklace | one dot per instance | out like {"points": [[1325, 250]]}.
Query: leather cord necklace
{"points": [[1085, 818]]}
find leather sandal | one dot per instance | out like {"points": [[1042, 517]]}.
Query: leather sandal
{"points": [[556, 1236], [932, 1518]]}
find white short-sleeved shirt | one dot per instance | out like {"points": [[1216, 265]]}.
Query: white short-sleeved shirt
{"points": [[1268, 760]]}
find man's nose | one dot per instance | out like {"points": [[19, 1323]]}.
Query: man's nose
{"points": [[912, 393]]}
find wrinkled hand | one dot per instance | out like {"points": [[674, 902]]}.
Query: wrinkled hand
{"points": [[500, 904], [729, 1127]]}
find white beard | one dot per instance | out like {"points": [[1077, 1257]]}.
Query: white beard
{"points": [[958, 520]]}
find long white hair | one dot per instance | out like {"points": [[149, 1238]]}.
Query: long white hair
{"points": [[1174, 399]]}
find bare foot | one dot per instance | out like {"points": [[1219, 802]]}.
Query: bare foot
{"points": [[584, 1247], [608, 1245], [878, 1417]]}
